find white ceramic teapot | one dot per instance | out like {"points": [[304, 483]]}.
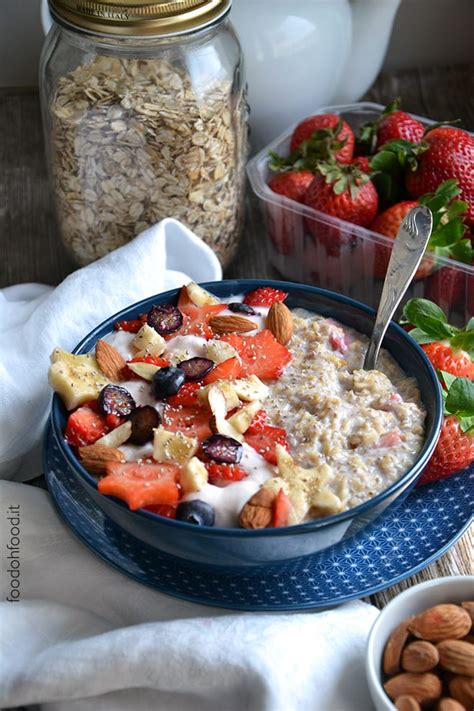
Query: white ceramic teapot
{"points": [[302, 54]]}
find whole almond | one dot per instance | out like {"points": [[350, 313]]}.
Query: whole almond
{"points": [[448, 704], [419, 656], [95, 457], [407, 703], [109, 360], [469, 607], [258, 511], [461, 688], [393, 649], [231, 324], [280, 322], [425, 688], [441, 622], [457, 656]]}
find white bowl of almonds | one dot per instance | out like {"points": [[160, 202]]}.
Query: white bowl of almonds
{"points": [[420, 652]]}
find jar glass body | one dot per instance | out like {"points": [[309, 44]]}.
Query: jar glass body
{"points": [[139, 129]]}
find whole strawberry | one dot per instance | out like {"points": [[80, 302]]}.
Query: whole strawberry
{"points": [[447, 237], [345, 192], [293, 183], [449, 349], [390, 125], [455, 448], [450, 154], [398, 124], [326, 126]]}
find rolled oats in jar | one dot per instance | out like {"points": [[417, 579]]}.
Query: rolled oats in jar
{"points": [[145, 118]]}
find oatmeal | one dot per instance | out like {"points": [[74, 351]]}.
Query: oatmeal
{"points": [[239, 412]]}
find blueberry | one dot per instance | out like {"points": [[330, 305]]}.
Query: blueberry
{"points": [[144, 420], [223, 449], [115, 400], [198, 512], [239, 308], [167, 381], [196, 368], [165, 319]]}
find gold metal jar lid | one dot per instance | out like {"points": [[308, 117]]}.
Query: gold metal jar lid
{"points": [[138, 18]]}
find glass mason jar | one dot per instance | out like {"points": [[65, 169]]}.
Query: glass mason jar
{"points": [[145, 118]]}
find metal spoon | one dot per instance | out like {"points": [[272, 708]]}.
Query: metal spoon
{"points": [[407, 252]]}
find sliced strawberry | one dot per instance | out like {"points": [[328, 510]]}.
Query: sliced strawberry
{"points": [[389, 439], [186, 396], [224, 474], [281, 509], [132, 326], [265, 441], [140, 484], [154, 360], [165, 510], [113, 421], [191, 421], [258, 423], [85, 426], [196, 318], [261, 354], [264, 296], [229, 369]]}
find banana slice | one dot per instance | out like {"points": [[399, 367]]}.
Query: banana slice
{"points": [[250, 388], [219, 408], [193, 476], [224, 387], [242, 419], [173, 446], [144, 370], [219, 351], [76, 378], [148, 342], [199, 296], [117, 436]]}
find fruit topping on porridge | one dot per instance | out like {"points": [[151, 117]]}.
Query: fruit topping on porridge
{"points": [[238, 413]]}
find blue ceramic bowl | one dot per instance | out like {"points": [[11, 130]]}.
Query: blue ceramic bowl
{"points": [[234, 547]]}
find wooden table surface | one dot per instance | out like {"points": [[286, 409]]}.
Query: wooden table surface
{"points": [[32, 252]]}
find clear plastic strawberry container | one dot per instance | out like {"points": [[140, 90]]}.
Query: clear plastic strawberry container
{"points": [[308, 246]]}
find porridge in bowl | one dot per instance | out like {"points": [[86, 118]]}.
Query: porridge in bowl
{"points": [[238, 413]]}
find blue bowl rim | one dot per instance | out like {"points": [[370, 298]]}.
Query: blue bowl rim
{"points": [[239, 286]]}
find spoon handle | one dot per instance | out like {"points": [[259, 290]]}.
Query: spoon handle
{"points": [[407, 252]]}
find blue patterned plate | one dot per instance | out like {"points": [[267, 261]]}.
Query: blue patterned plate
{"points": [[398, 544]]}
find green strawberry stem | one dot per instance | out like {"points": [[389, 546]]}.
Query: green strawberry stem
{"points": [[458, 399], [343, 177], [432, 325], [366, 141], [391, 162]]}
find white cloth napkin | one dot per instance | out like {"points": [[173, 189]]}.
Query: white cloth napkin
{"points": [[84, 637], [35, 318]]}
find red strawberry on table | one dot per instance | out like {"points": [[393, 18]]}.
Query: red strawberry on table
{"points": [[447, 287], [398, 124], [284, 226], [455, 448], [391, 125], [449, 349], [332, 133], [342, 191], [450, 155], [292, 183], [447, 237]]}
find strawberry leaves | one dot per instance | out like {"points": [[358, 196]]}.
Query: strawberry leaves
{"points": [[458, 396], [321, 146], [390, 164], [432, 325], [447, 238]]}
